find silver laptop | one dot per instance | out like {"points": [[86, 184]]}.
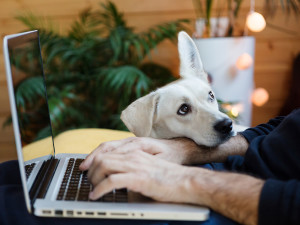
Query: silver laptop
{"points": [[53, 186]]}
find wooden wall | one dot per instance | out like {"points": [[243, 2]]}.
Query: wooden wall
{"points": [[275, 49]]}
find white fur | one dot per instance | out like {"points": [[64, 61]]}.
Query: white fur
{"points": [[155, 115]]}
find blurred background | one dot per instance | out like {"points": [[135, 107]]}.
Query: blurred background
{"points": [[139, 38]]}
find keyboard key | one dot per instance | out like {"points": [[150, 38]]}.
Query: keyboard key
{"points": [[76, 187], [29, 169]]}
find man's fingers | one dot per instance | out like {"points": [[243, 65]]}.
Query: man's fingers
{"points": [[87, 161], [101, 168], [106, 164], [114, 181], [120, 146], [102, 148]]}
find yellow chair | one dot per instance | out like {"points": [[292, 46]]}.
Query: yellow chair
{"points": [[81, 141]]}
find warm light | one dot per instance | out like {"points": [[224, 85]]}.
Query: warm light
{"points": [[227, 106], [236, 109], [260, 96], [244, 61], [255, 22], [234, 112]]}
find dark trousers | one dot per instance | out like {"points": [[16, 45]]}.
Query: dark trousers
{"points": [[13, 210]]}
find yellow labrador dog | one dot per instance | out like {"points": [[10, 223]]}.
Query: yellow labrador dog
{"points": [[184, 108]]}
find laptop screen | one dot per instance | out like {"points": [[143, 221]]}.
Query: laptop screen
{"points": [[30, 96]]}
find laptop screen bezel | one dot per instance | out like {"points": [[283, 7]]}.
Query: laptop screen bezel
{"points": [[8, 41]]}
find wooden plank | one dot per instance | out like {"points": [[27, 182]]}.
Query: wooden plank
{"points": [[71, 8], [54, 8], [6, 133], [4, 100], [143, 21], [265, 67], [139, 21], [277, 51], [280, 82], [7, 144], [265, 113], [58, 7], [7, 151], [2, 69]]}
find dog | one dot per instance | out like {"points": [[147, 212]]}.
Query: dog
{"points": [[186, 107]]}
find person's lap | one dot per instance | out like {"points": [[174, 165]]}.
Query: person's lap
{"points": [[13, 209]]}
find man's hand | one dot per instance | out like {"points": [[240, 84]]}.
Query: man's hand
{"points": [[233, 195], [142, 173], [178, 150]]}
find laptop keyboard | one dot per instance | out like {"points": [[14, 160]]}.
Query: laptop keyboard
{"points": [[76, 187], [28, 169]]}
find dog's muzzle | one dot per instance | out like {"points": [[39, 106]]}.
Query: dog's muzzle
{"points": [[224, 127]]}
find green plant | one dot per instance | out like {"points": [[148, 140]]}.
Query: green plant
{"points": [[98, 68]]}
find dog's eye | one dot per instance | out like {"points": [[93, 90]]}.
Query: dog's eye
{"points": [[211, 96], [184, 109]]}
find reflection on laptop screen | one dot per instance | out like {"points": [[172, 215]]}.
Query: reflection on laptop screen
{"points": [[30, 95]]}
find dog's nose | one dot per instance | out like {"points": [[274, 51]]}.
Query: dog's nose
{"points": [[224, 126]]}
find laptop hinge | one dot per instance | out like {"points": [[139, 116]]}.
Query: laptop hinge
{"points": [[43, 179]]}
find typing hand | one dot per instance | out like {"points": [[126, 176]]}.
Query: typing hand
{"points": [[140, 172]]}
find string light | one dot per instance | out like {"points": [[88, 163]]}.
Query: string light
{"points": [[255, 21], [244, 61], [260, 96]]}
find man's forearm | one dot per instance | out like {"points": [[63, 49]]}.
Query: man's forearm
{"points": [[236, 145], [234, 195], [195, 154]]}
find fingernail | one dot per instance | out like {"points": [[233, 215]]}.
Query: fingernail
{"points": [[82, 165], [91, 195]]}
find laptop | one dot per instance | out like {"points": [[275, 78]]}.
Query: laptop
{"points": [[52, 183]]}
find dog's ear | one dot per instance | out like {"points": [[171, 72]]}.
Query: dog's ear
{"points": [[138, 116], [190, 60]]}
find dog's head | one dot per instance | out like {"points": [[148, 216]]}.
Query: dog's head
{"points": [[184, 108]]}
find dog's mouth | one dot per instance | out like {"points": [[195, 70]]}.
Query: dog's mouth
{"points": [[226, 137]]}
